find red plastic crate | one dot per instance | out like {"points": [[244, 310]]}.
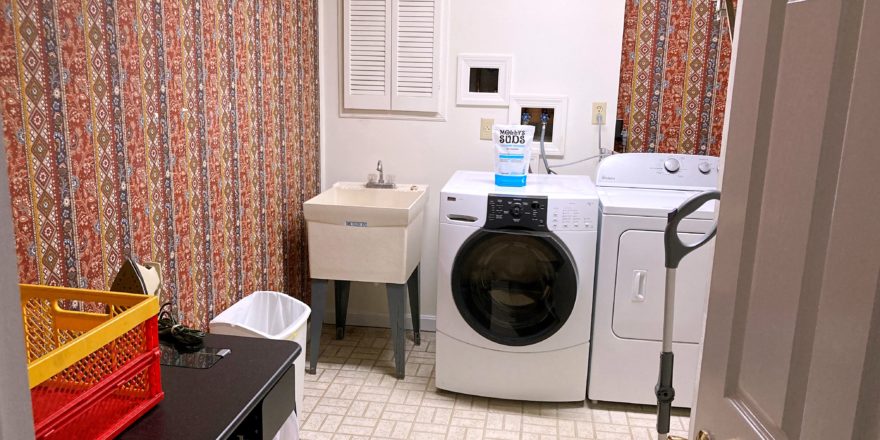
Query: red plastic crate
{"points": [[93, 393]]}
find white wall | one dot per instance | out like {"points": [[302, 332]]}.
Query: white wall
{"points": [[569, 47]]}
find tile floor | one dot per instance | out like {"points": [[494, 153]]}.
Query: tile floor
{"points": [[354, 395]]}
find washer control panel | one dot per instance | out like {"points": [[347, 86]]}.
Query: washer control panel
{"points": [[572, 215], [521, 212]]}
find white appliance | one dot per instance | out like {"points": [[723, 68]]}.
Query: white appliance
{"points": [[636, 192], [515, 283]]}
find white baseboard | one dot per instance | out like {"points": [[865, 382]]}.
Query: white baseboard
{"points": [[428, 322]]}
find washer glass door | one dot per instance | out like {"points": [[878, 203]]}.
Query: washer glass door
{"points": [[514, 287]]}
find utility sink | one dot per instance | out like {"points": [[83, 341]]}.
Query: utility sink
{"points": [[365, 234]]}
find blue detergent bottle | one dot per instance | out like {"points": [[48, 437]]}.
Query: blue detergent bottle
{"points": [[513, 150]]}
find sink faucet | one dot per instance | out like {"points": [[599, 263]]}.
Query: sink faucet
{"points": [[381, 183]]}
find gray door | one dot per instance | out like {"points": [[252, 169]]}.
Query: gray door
{"points": [[792, 343]]}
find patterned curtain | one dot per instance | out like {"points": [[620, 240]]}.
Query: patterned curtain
{"points": [[183, 132], [673, 76]]}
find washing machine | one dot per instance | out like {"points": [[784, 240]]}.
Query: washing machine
{"points": [[515, 282], [636, 192]]}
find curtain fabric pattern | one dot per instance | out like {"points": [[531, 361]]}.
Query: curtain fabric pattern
{"points": [[183, 132], [675, 63]]}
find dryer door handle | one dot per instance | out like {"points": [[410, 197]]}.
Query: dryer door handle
{"points": [[640, 280]]}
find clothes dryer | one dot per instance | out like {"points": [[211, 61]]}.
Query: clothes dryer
{"points": [[636, 192]]}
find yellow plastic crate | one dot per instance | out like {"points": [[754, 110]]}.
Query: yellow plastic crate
{"points": [[93, 372]]}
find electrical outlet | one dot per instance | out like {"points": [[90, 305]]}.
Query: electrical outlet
{"points": [[486, 129], [600, 113]]}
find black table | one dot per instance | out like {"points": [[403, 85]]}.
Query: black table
{"points": [[252, 386]]}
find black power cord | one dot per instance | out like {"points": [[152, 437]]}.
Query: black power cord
{"points": [[184, 339]]}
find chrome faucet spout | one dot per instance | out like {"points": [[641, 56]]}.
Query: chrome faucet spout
{"points": [[381, 183]]}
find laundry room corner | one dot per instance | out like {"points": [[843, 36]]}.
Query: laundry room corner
{"points": [[570, 49]]}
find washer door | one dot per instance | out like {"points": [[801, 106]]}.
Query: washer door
{"points": [[514, 288]]}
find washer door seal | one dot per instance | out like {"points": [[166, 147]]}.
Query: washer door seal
{"points": [[514, 287]]}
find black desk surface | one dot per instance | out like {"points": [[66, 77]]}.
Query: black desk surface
{"points": [[210, 403]]}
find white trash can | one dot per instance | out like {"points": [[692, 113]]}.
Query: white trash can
{"points": [[269, 315]]}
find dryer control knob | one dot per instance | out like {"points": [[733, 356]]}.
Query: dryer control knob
{"points": [[672, 165], [704, 167]]}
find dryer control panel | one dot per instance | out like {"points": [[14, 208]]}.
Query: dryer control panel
{"points": [[521, 212], [659, 171]]}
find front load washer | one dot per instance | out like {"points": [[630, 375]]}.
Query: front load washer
{"points": [[515, 282], [636, 192]]}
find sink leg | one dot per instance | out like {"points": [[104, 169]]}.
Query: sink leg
{"points": [[395, 314], [319, 303], [412, 288], [341, 290]]}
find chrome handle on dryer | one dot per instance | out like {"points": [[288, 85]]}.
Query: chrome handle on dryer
{"points": [[640, 280]]}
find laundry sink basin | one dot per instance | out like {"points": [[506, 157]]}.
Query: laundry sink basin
{"points": [[365, 234]]}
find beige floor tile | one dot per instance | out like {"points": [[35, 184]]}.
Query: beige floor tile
{"points": [[456, 432], [606, 427], [401, 430], [359, 421], [398, 416], [433, 428], [539, 429], [584, 429], [501, 435], [355, 430], [313, 422], [618, 418], [469, 414], [494, 421], [331, 423], [443, 415], [512, 422], [505, 406], [354, 395], [474, 434], [467, 423], [566, 428], [415, 435], [438, 403], [613, 436], [330, 409]]}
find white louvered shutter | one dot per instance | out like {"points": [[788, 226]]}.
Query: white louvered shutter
{"points": [[367, 45], [392, 55], [416, 60]]}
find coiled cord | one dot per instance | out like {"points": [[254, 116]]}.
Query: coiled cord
{"points": [[183, 338]]}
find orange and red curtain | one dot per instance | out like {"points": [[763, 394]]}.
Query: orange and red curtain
{"points": [[673, 76], [183, 132]]}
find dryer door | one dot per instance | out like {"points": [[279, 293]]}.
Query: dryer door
{"points": [[640, 286], [514, 288]]}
